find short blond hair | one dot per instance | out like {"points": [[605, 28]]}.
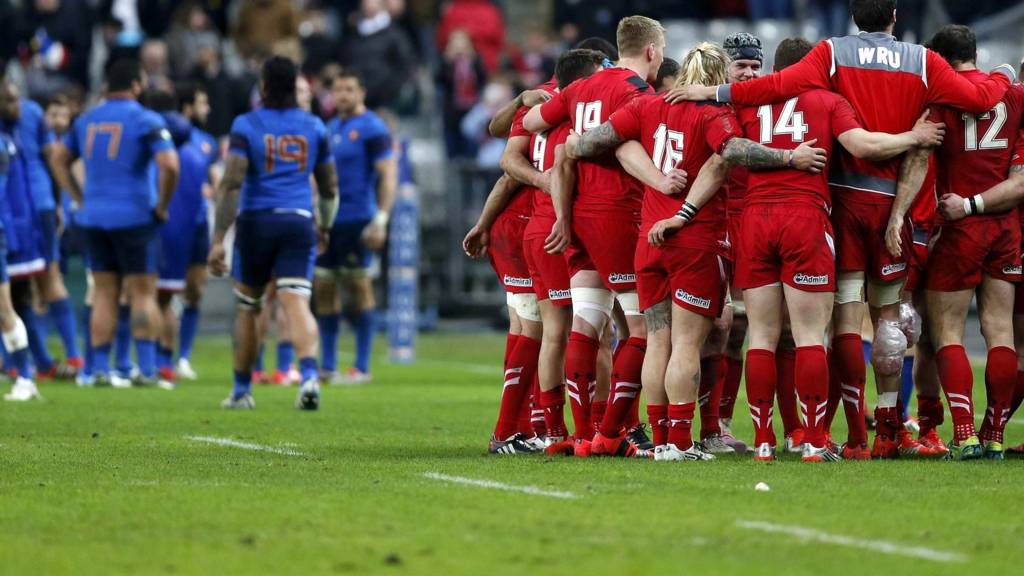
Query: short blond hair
{"points": [[635, 33], [706, 64]]}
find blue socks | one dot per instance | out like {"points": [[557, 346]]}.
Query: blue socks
{"points": [[36, 341], [330, 326], [64, 320], [258, 365], [187, 331], [19, 359], [88, 368], [907, 385], [101, 359], [145, 352], [164, 357], [365, 323], [307, 366], [285, 355], [243, 384], [123, 341]]}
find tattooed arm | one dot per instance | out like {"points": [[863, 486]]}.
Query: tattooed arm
{"points": [[226, 200], [592, 142], [999, 198], [744, 152]]}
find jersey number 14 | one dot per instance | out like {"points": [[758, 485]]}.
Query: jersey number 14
{"points": [[790, 122]]}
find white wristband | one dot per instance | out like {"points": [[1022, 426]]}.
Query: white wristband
{"points": [[380, 219], [967, 207], [980, 203]]}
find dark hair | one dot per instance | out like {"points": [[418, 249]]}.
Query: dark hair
{"points": [[121, 74], [791, 51], [186, 92], [669, 67], [58, 99], [158, 100], [955, 43], [872, 15], [349, 73], [279, 74], [601, 45], [575, 64]]}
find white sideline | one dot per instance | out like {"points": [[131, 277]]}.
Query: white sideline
{"points": [[883, 546], [244, 445], [500, 486]]}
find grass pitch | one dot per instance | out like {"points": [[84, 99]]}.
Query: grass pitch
{"points": [[107, 481]]}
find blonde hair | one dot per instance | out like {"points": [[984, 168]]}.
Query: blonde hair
{"points": [[635, 33], [706, 64]]}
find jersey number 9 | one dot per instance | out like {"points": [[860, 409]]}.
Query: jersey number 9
{"points": [[285, 148]]}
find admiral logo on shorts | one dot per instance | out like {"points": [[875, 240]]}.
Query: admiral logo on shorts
{"points": [[810, 280], [893, 268], [518, 282], [619, 278], [1011, 269], [559, 294], [692, 300]]}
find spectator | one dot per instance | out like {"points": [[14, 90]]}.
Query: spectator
{"points": [[190, 34], [318, 40], [265, 26], [380, 54], [154, 63], [55, 40], [768, 9], [474, 124], [833, 17], [462, 77], [229, 96], [482, 21], [537, 61]]}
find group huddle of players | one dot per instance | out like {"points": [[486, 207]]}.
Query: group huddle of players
{"points": [[693, 206], [133, 174]]}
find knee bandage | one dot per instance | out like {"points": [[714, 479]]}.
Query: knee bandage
{"points": [[888, 348], [630, 303], [525, 306], [17, 338], [298, 286], [910, 323], [593, 305], [850, 288], [248, 302], [885, 294]]}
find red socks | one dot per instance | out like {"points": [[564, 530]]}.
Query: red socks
{"points": [[761, 381], [580, 370], [957, 382], [597, 411], [733, 375], [849, 356], [680, 422], [519, 374], [835, 391], [553, 404], [709, 395], [1000, 381], [625, 392], [785, 364], [929, 413], [657, 415], [536, 410], [812, 391]]}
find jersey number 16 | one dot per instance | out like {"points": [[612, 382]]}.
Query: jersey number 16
{"points": [[285, 148]]}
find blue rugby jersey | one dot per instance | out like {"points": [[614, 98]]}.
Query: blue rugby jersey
{"points": [[357, 143]]}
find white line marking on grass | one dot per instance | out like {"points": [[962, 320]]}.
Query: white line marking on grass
{"points": [[883, 546], [500, 486], [244, 445]]}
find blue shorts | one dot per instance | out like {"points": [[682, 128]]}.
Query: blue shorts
{"points": [[49, 242], [134, 250], [345, 248], [181, 249], [270, 245]]}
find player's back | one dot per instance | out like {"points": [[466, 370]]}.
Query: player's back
{"points": [[116, 141], [542, 153], [814, 115], [978, 148], [357, 143], [188, 202], [524, 199], [282, 147]]}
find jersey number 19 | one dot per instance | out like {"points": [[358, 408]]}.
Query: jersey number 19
{"points": [[285, 148]]}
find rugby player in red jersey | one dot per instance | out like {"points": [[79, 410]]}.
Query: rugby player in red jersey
{"points": [[978, 253], [604, 227], [869, 207]]}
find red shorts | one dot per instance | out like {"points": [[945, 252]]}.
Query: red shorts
{"points": [[549, 272], [860, 240], [735, 218], [791, 243], [696, 279], [606, 243], [506, 253], [973, 247], [918, 260]]}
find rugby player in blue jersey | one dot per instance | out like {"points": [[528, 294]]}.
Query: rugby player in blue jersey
{"points": [[266, 185], [122, 209], [362, 149]]}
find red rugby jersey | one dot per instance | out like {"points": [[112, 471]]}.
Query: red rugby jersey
{"points": [[887, 82], [684, 136], [522, 200], [735, 189], [542, 152], [978, 148], [817, 114], [602, 185]]}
